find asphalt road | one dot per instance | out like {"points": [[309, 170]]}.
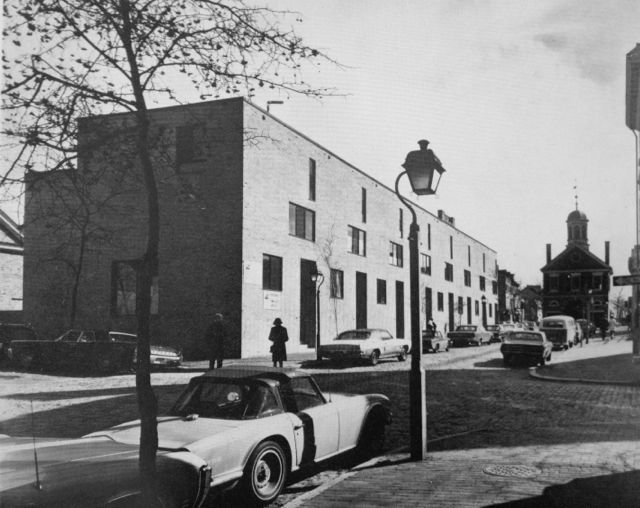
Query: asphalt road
{"points": [[472, 401]]}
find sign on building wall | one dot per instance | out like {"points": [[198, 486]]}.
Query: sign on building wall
{"points": [[271, 300]]}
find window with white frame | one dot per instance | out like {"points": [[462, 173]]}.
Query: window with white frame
{"points": [[357, 241], [395, 254], [337, 283], [302, 222], [425, 264]]}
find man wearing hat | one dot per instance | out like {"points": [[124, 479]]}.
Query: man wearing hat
{"points": [[215, 338]]}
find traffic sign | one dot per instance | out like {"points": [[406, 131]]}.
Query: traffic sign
{"points": [[626, 280]]}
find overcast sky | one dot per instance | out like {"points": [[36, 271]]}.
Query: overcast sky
{"points": [[520, 100]]}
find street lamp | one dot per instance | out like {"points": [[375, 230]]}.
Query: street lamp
{"points": [[318, 279], [484, 310], [419, 166]]}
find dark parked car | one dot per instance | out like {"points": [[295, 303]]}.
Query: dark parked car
{"points": [[14, 331], [92, 350], [528, 345], [434, 341], [469, 335]]}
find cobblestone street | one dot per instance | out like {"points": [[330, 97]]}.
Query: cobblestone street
{"points": [[473, 403]]}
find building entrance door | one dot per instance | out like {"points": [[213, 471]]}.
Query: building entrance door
{"points": [[361, 300], [399, 309], [307, 303], [428, 305], [452, 323]]}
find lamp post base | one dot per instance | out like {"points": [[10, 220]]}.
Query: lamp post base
{"points": [[417, 414]]}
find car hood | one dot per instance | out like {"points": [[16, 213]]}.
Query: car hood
{"points": [[350, 343], [174, 432]]}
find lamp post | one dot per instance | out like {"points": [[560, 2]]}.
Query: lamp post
{"points": [[484, 311], [419, 166], [318, 278]]}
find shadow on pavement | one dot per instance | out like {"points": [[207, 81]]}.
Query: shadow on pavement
{"points": [[619, 490]]}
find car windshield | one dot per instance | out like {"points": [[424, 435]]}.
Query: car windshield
{"points": [[467, 328], [529, 337], [230, 400], [354, 335]]}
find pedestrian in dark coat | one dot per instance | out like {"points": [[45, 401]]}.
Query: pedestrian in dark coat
{"points": [[279, 337], [215, 338]]}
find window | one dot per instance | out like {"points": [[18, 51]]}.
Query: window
{"points": [[124, 288], [190, 143], [448, 272], [477, 307], [425, 264], [468, 255], [554, 282], [450, 247], [467, 278], [357, 241], [440, 301], [303, 392], [490, 307], [597, 281], [302, 222], [382, 292], [337, 283], [460, 305], [271, 273], [429, 236], [364, 205], [575, 282], [494, 287], [395, 256], [312, 180], [484, 263], [483, 283], [401, 224]]}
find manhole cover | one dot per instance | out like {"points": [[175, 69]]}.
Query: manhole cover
{"points": [[516, 470]]}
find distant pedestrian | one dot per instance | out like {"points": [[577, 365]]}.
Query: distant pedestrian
{"points": [[279, 337], [603, 329], [215, 338], [612, 328], [431, 327]]}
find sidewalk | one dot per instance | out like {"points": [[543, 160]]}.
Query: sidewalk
{"points": [[594, 474]]}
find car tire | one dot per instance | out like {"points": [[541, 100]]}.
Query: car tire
{"points": [[446, 349], [373, 359], [437, 348], [549, 357], [403, 355], [265, 474], [25, 359], [542, 361], [104, 365]]}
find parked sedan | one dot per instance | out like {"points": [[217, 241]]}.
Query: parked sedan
{"points": [[160, 356], [248, 427], [469, 335], [434, 341], [368, 344], [495, 333], [526, 345]]}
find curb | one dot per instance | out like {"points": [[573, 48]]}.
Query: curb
{"points": [[533, 372]]}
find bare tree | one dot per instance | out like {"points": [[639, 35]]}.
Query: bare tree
{"points": [[73, 58]]}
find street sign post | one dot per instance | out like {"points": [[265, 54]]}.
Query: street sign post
{"points": [[626, 280]]}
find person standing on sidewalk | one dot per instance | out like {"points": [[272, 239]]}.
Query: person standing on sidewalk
{"points": [[612, 327], [215, 338], [279, 337]]}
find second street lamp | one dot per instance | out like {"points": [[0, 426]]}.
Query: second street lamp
{"points": [[419, 166], [318, 278]]}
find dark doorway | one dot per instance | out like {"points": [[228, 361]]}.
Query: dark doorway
{"points": [[468, 310], [307, 303], [428, 305], [452, 311], [361, 300], [400, 309]]}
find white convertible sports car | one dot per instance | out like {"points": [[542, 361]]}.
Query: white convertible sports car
{"points": [[232, 427]]}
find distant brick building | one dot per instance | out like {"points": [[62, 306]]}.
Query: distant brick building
{"points": [[576, 282], [11, 251], [250, 209], [508, 299]]}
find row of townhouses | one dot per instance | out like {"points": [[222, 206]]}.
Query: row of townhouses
{"points": [[250, 210]]}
